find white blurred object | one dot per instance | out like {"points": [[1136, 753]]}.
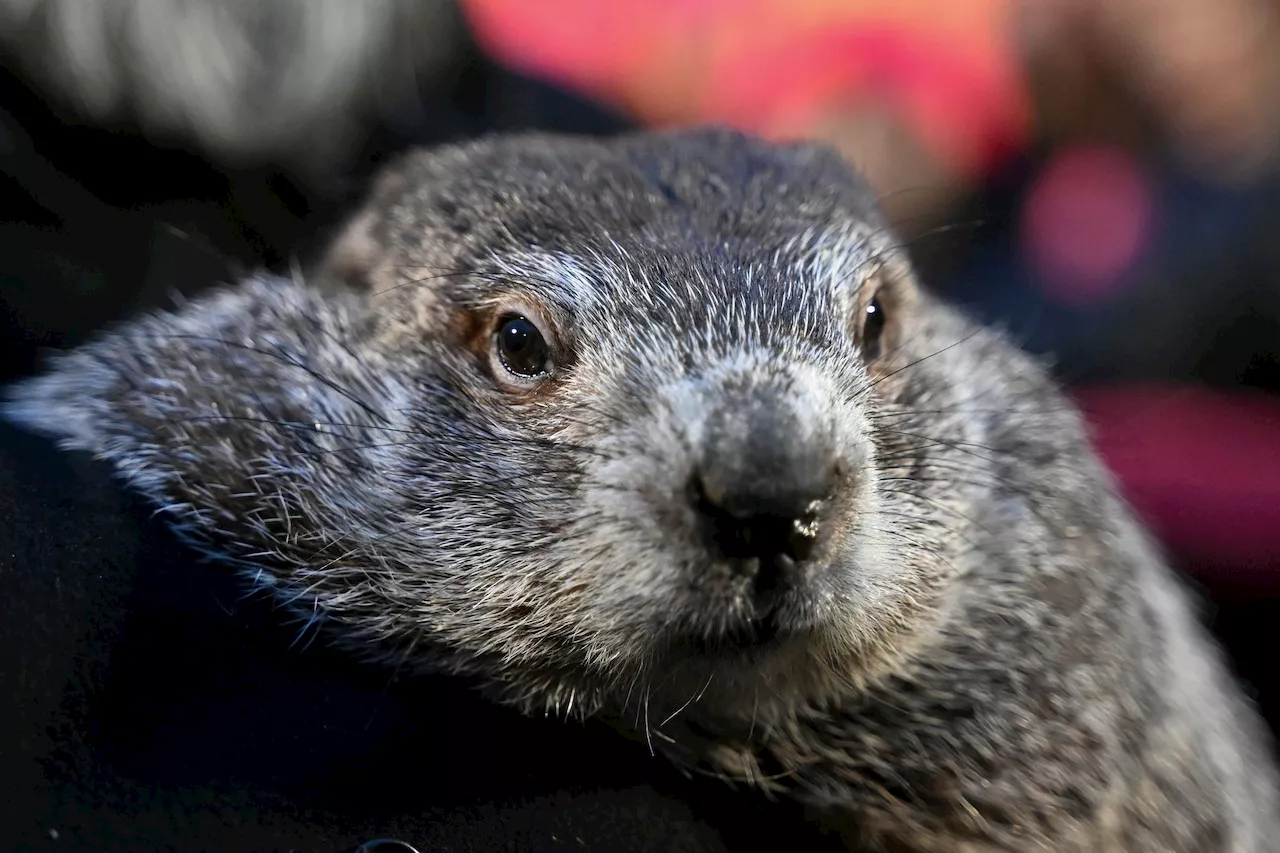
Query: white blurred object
{"points": [[245, 80]]}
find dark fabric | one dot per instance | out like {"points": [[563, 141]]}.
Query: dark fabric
{"points": [[146, 704]]}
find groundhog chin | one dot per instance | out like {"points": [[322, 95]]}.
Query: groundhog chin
{"points": [[745, 611], [717, 614]]}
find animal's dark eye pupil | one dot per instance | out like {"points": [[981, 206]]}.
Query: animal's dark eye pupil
{"points": [[521, 346], [873, 329], [517, 336]]}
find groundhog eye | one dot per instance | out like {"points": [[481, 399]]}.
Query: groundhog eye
{"points": [[521, 347], [873, 329]]}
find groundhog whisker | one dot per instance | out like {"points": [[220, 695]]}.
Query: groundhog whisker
{"points": [[885, 376], [419, 438], [993, 483], [285, 358], [363, 542], [599, 411], [351, 448], [435, 276], [939, 505], [916, 521], [357, 448], [988, 480], [962, 405], [936, 230], [1034, 497], [929, 550], [922, 414], [962, 446]]}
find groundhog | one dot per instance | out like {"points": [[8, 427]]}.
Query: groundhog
{"points": [[662, 428]]}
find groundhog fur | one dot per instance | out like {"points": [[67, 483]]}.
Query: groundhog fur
{"points": [[662, 429]]}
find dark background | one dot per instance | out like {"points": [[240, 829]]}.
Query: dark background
{"points": [[145, 705]]}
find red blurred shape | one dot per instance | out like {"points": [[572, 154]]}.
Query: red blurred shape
{"points": [[1202, 468], [947, 69]]}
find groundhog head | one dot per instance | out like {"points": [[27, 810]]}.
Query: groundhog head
{"points": [[661, 415]]}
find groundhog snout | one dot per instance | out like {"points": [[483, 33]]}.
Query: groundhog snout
{"points": [[766, 480]]}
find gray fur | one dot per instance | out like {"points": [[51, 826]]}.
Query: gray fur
{"points": [[990, 654]]}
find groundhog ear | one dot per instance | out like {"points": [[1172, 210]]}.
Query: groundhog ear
{"points": [[357, 251], [351, 258], [172, 394]]}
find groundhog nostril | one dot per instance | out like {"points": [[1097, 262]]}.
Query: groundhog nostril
{"points": [[766, 531]]}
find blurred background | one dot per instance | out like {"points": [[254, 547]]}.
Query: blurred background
{"points": [[1098, 176]]}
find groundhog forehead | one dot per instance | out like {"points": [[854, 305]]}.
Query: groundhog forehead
{"points": [[724, 196]]}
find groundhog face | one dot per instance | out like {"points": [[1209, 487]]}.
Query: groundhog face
{"points": [[585, 417]]}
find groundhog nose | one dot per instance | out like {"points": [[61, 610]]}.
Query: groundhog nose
{"points": [[766, 477], [774, 526], [766, 503]]}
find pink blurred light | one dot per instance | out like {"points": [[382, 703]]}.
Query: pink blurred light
{"points": [[1085, 223]]}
